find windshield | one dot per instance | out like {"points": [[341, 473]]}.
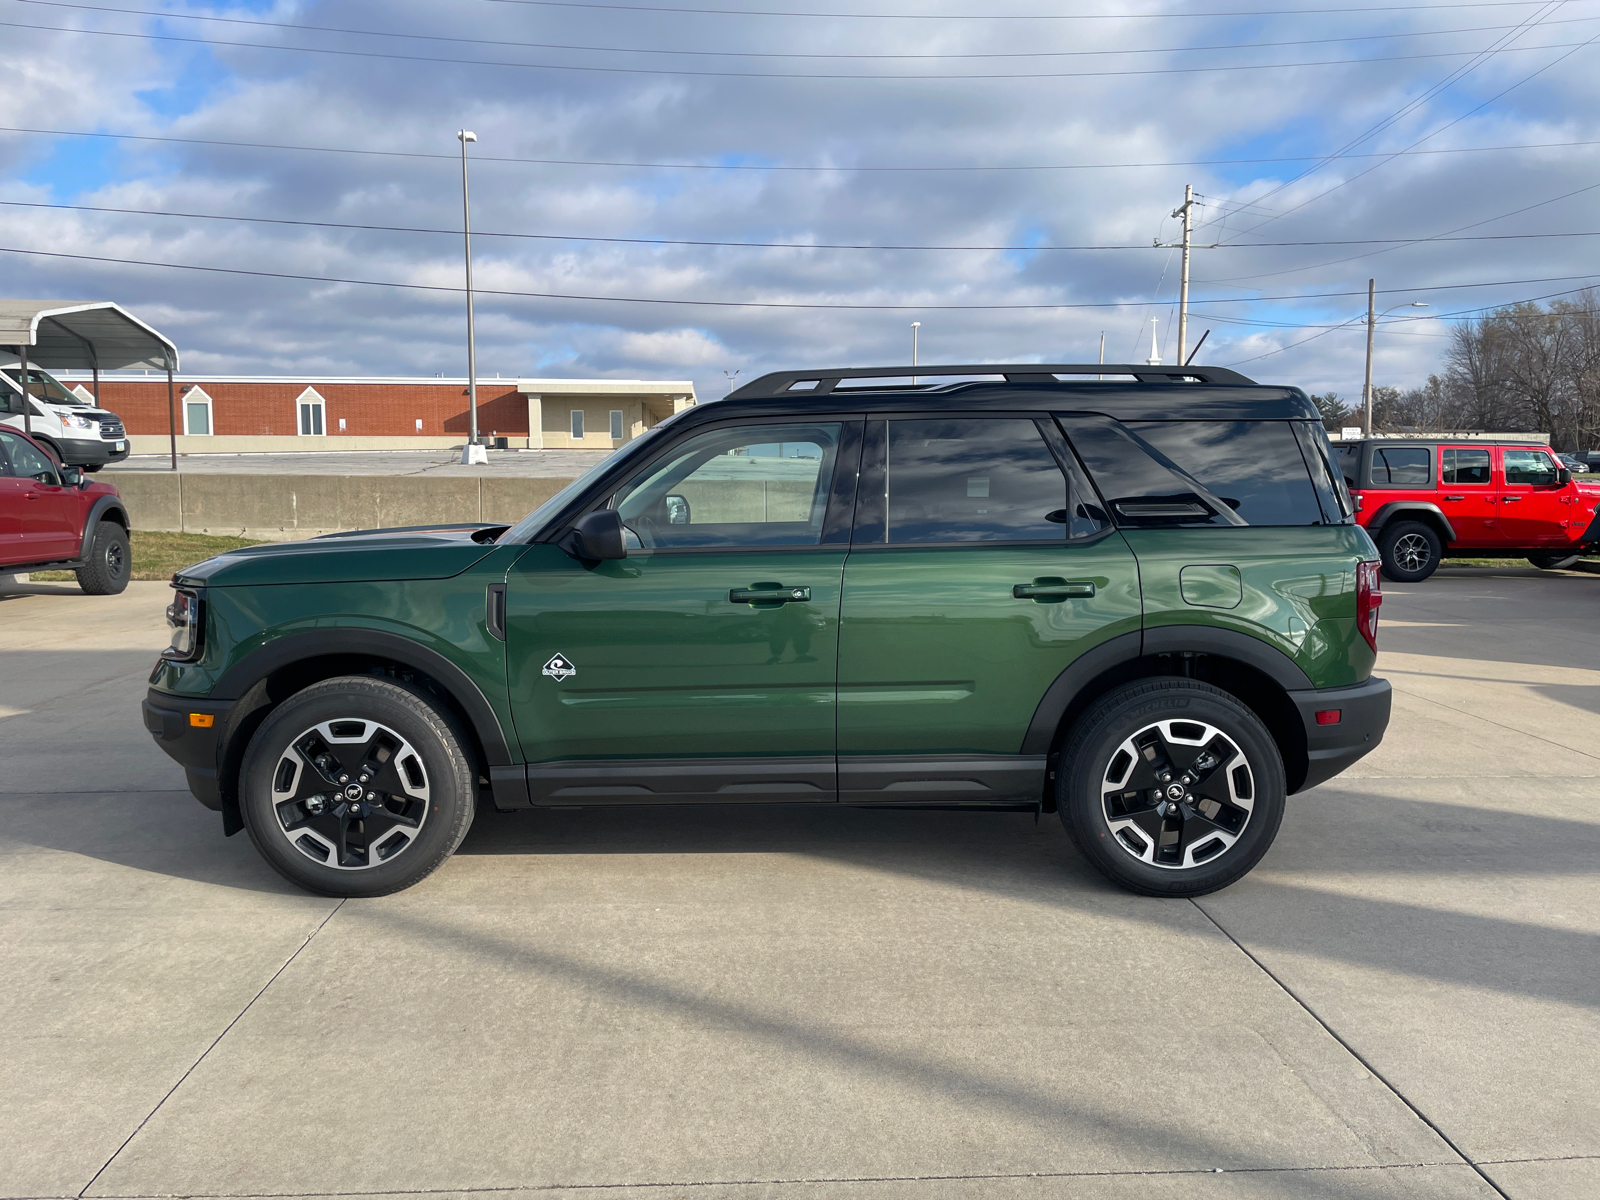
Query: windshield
{"points": [[45, 387], [524, 529]]}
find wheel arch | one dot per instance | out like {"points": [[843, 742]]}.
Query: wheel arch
{"points": [[1256, 674], [262, 680], [106, 508], [1411, 510]]}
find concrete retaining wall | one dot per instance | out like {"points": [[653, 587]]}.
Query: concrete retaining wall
{"points": [[159, 443], [286, 507]]}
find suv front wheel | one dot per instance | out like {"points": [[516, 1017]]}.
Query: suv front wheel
{"points": [[1171, 787], [357, 786]]}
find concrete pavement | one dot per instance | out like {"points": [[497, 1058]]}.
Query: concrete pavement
{"points": [[1400, 1001]]}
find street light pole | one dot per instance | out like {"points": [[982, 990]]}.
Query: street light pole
{"points": [[472, 452], [915, 325], [1372, 327]]}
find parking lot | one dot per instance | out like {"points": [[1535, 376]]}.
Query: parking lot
{"points": [[1403, 1000]]}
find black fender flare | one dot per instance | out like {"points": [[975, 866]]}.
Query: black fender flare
{"points": [[1398, 508], [324, 643], [1160, 639], [102, 506]]}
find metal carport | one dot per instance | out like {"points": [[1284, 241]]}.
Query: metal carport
{"points": [[90, 335]]}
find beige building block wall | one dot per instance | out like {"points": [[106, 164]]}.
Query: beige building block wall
{"points": [[550, 414]]}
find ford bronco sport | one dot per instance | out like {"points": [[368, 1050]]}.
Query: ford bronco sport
{"points": [[1141, 602]]}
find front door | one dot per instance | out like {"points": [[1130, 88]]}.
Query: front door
{"points": [[702, 666], [46, 511], [1467, 496], [974, 580], [1533, 508]]}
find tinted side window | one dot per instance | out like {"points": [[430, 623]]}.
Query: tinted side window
{"points": [[1254, 467], [972, 480], [752, 485], [28, 461], [1348, 455], [1400, 466], [1465, 466]]}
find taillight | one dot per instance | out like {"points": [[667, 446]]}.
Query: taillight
{"points": [[1369, 598]]}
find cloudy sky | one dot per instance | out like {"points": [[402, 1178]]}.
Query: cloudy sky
{"points": [[940, 161]]}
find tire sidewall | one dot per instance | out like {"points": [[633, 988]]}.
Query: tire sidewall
{"points": [[1102, 731], [98, 576], [431, 733], [1402, 529]]}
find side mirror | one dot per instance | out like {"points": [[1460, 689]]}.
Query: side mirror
{"points": [[1563, 476], [596, 536], [73, 478], [677, 509]]}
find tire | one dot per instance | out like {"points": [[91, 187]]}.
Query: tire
{"points": [[1410, 550], [1111, 810], [421, 795], [1553, 562], [108, 565]]}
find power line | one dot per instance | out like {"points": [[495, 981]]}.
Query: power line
{"points": [[478, 62], [435, 37], [426, 287], [886, 16], [819, 168], [659, 241]]}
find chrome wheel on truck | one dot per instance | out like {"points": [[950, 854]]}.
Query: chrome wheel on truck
{"points": [[357, 786], [1171, 787]]}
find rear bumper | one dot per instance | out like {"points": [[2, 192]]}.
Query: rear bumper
{"points": [[1363, 717], [192, 747]]}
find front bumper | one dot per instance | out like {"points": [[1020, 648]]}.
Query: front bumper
{"points": [[92, 452], [1363, 717], [193, 747]]}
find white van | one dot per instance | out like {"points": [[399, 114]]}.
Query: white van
{"points": [[81, 434]]}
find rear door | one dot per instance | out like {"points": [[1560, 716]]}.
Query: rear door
{"points": [[47, 510], [1467, 495], [977, 574], [1533, 508]]}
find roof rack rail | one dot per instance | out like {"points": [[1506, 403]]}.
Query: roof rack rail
{"points": [[826, 381]]}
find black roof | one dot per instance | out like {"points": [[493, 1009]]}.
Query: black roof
{"points": [[1152, 394]]}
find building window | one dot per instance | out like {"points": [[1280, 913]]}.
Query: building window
{"points": [[616, 425], [312, 409], [197, 413], [577, 424]]}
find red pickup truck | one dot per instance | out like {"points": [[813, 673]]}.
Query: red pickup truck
{"points": [[55, 518], [1427, 498]]}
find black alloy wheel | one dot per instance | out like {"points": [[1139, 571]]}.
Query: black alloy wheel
{"points": [[1410, 550], [108, 561], [357, 786], [1171, 787]]}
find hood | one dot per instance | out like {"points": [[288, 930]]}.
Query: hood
{"points": [[367, 556]]}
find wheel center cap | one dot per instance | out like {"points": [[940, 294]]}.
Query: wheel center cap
{"points": [[1175, 791], [352, 792]]}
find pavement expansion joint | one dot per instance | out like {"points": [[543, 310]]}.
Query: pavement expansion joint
{"points": [[1353, 1052], [239, 1016], [796, 1181], [1463, 712]]}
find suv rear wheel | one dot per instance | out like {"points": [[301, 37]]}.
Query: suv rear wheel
{"points": [[1171, 787], [1410, 550], [357, 786]]}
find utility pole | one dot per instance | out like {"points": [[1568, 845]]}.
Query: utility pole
{"points": [[1372, 325], [1185, 211], [473, 451]]}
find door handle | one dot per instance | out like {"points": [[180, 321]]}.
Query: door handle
{"points": [[769, 593], [1509, 499], [1053, 589], [1455, 497]]}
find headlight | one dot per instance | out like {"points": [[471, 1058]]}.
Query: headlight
{"points": [[185, 616], [73, 421]]}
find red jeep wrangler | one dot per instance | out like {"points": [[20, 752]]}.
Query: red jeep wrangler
{"points": [[53, 518], [1424, 498]]}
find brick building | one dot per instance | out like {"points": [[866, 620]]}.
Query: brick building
{"points": [[223, 413]]}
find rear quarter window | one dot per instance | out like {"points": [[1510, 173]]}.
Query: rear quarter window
{"points": [[1253, 466], [1401, 466]]}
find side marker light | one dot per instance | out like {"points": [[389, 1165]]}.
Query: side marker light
{"points": [[1330, 716], [205, 720]]}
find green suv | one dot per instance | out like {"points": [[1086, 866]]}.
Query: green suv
{"points": [[1140, 602]]}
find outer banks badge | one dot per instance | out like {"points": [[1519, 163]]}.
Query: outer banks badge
{"points": [[559, 668]]}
